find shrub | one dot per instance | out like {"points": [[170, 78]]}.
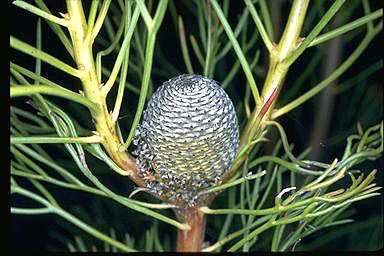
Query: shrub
{"points": [[98, 63]]}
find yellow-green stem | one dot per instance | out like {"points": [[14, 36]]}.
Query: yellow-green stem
{"points": [[277, 70], [275, 77], [288, 42], [103, 121]]}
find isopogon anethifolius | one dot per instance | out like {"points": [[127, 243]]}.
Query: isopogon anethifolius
{"points": [[187, 138]]}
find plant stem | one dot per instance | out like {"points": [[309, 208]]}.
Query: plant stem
{"points": [[149, 51], [48, 140], [56, 29], [275, 78], [38, 78], [259, 25], [92, 32], [38, 54], [316, 30], [89, 229], [288, 42], [346, 28], [208, 56], [277, 70], [85, 62], [40, 12], [191, 240], [267, 18], [26, 90], [196, 50], [184, 47], [124, 52], [239, 52], [112, 46], [145, 14], [338, 72]]}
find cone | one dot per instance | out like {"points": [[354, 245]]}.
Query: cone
{"points": [[188, 137]]}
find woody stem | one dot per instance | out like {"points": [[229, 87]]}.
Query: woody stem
{"points": [[191, 240]]}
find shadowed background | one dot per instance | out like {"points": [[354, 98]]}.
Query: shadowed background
{"points": [[322, 123]]}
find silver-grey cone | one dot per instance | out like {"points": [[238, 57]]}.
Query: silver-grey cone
{"points": [[188, 137]]}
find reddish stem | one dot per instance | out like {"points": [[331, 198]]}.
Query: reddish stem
{"points": [[269, 102], [191, 240]]}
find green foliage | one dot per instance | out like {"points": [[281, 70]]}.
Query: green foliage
{"points": [[274, 201]]}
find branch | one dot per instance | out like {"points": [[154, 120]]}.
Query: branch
{"points": [[239, 52], [103, 121], [24, 90], [346, 28], [259, 25], [55, 140], [149, 51], [337, 73], [41, 13], [34, 52], [316, 30]]}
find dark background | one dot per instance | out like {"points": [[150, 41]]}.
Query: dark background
{"points": [[42, 232]]}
